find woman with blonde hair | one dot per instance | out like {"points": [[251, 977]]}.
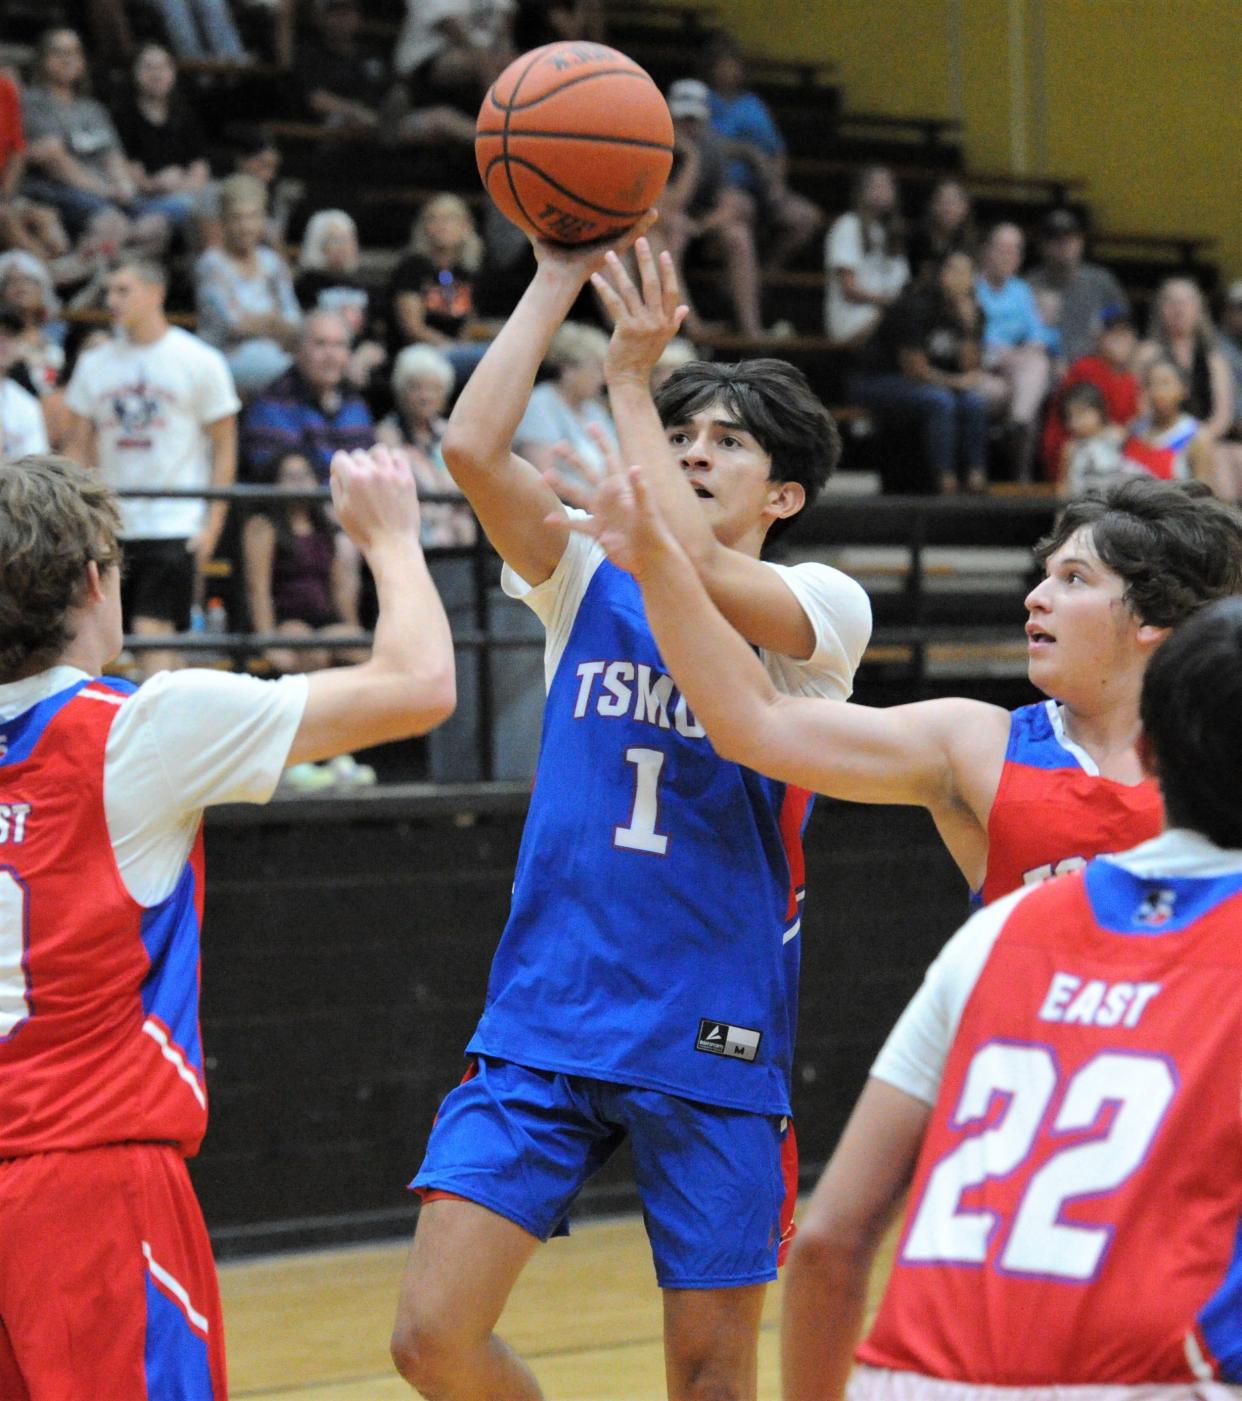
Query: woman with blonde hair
{"points": [[432, 291], [244, 292]]}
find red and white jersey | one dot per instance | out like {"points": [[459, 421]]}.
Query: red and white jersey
{"points": [[1074, 1216], [1053, 811], [101, 894]]}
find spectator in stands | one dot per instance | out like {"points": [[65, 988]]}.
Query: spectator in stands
{"points": [[1111, 370], [699, 205], [864, 255], [1166, 441], [161, 134], [431, 292], [328, 280], [311, 408], [1231, 348], [756, 160], [546, 21], [26, 291], [1091, 458], [156, 407], [256, 154], [202, 29], [422, 380], [347, 87], [1182, 331], [1015, 343], [296, 572], [562, 409], [24, 223], [1073, 295], [77, 162], [921, 370], [453, 50], [22, 429], [947, 226], [676, 353], [244, 292]]}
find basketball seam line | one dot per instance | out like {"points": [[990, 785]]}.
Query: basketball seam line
{"points": [[512, 106], [568, 193], [583, 136], [508, 111]]}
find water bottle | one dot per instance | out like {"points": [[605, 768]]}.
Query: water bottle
{"points": [[215, 621]]}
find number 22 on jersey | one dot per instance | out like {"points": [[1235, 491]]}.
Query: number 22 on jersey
{"points": [[14, 983], [1035, 1240]]}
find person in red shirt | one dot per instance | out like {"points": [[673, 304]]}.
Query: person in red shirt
{"points": [[1110, 370]]}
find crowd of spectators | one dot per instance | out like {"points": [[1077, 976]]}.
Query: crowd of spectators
{"points": [[971, 357]]}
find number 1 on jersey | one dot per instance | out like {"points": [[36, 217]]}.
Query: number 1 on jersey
{"points": [[641, 834], [14, 987]]}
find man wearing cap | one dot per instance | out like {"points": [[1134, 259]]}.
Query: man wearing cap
{"points": [[1072, 294], [698, 203]]}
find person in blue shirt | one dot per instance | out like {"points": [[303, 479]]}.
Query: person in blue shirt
{"points": [[741, 119], [1015, 342], [644, 987]]}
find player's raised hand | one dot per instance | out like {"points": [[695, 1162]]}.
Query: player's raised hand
{"points": [[624, 518], [375, 496], [645, 316], [583, 259]]}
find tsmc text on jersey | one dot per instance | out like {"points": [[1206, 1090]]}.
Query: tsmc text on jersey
{"points": [[627, 688]]}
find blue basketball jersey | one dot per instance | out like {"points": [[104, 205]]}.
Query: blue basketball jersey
{"points": [[652, 938]]}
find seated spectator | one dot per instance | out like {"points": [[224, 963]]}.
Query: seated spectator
{"points": [[1072, 294], [1181, 330], [431, 292], [347, 87], [864, 255], [1015, 351], [256, 154], [1091, 458], [947, 226], [22, 429], [1166, 441], [698, 205], [77, 162], [296, 572], [421, 382], [161, 134], [921, 371], [244, 292], [755, 152], [545, 21], [202, 29], [328, 280], [24, 224], [1111, 370], [26, 292], [563, 408], [310, 409], [676, 353], [452, 51]]}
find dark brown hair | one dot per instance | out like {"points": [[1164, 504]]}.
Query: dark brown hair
{"points": [[55, 518]]}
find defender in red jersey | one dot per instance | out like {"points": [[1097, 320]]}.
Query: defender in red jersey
{"points": [[1016, 797], [107, 1286], [1061, 1107]]}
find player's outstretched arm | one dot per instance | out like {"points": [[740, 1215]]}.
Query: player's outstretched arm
{"points": [[829, 1268], [906, 754], [407, 686], [646, 315], [508, 495]]}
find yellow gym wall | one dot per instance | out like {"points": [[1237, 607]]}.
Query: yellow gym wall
{"points": [[1143, 98]]}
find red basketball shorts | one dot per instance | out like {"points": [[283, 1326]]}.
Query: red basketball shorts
{"points": [[107, 1285]]}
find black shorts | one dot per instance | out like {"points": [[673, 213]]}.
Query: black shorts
{"points": [[158, 582]]}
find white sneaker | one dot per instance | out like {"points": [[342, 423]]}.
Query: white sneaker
{"points": [[307, 778], [349, 773]]}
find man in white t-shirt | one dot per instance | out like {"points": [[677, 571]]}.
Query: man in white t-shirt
{"points": [[155, 407], [22, 428], [453, 50], [107, 1286]]}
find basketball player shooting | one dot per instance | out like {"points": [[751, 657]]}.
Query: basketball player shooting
{"points": [[107, 1285], [645, 983]]}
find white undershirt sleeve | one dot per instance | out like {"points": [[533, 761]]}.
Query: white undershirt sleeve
{"points": [[184, 741], [556, 601], [913, 1058], [839, 612]]}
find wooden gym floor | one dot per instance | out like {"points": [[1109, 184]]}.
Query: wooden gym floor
{"points": [[586, 1316]]}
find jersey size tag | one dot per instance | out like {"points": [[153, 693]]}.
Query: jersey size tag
{"points": [[721, 1039]]}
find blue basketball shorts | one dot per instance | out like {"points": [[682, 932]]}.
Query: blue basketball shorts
{"points": [[717, 1185]]}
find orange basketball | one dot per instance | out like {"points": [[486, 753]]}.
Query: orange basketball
{"points": [[574, 142]]}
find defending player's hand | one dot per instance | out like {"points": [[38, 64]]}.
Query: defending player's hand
{"points": [[624, 518], [583, 260], [375, 496], [644, 317]]}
